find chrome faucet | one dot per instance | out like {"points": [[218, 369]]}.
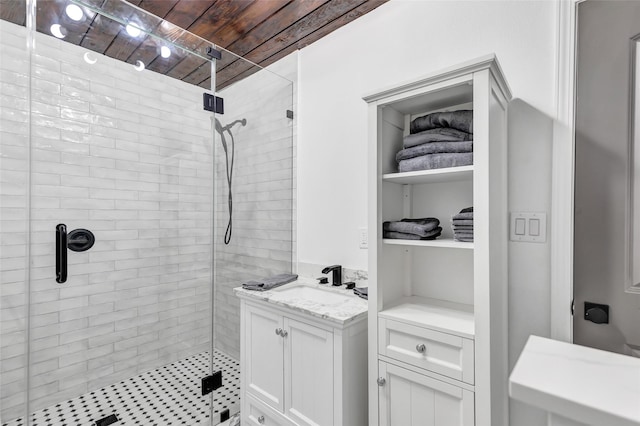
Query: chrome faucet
{"points": [[337, 273]]}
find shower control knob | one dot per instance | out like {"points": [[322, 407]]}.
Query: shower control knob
{"points": [[261, 420], [421, 348], [381, 381]]}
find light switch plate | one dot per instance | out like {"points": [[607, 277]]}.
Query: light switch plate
{"points": [[363, 234], [528, 227]]}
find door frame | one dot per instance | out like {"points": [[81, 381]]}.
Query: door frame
{"points": [[563, 173]]}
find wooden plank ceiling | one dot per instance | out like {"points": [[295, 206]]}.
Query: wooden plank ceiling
{"points": [[261, 31]]}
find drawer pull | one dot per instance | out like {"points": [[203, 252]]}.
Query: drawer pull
{"points": [[261, 420], [381, 381], [279, 331], [284, 333], [421, 348]]}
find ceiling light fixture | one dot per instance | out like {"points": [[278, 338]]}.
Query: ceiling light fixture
{"points": [[132, 30], [74, 12], [165, 52], [89, 59], [139, 66], [58, 31]]}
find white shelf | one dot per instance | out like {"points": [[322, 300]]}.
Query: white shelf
{"points": [[449, 174], [440, 315], [441, 243]]}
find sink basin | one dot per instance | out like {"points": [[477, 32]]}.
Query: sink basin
{"points": [[324, 297]]}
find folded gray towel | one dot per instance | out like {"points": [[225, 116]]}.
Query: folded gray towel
{"points": [[270, 282], [465, 234], [422, 220], [418, 228], [462, 222], [402, 236], [463, 239], [467, 210], [460, 120], [441, 134], [362, 292], [435, 161], [434, 148], [463, 215], [462, 227]]}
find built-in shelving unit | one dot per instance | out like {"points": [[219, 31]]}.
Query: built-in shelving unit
{"points": [[438, 308]]}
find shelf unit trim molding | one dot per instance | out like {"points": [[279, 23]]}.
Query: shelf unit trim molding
{"points": [[489, 62]]}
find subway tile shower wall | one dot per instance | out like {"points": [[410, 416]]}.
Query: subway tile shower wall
{"points": [[128, 155], [263, 241]]}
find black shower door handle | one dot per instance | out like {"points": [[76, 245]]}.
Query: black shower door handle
{"points": [[61, 253], [77, 240]]}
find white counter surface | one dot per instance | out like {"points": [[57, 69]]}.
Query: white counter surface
{"points": [[582, 384], [351, 308]]}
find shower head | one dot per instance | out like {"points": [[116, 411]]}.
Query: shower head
{"points": [[220, 128]]}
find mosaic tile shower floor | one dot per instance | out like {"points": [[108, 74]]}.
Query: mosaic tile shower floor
{"points": [[167, 396]]}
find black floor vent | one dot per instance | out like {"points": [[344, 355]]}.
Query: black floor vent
{"points": [[106, 421]]}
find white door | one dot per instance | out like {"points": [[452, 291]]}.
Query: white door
{"points": [[410, 399], [308, 362], [264, 357]]}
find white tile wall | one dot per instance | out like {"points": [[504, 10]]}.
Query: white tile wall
{"points": [[263, 240], [127, 155]]}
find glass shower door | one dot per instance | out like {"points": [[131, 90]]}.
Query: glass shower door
{"points": [[121, 215]]}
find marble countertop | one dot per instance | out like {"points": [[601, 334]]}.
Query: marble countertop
{"points": [[583, 384], [347, 309]]}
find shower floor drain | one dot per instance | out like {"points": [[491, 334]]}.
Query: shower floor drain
{"points": [[167, 396]]}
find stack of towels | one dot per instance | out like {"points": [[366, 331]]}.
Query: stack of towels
{"points": [[427, 228], [462, 224], [438, 140]]}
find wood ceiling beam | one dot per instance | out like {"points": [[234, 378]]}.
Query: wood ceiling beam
{"points": [[286, 17], [124, 45], [226, 79], [13, 11], [323, 16], [183, 15], [104, 30]]}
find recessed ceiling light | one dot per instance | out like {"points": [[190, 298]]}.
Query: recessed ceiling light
{"points": [[58, 31], [132, 31], [139, 66], [165, 52], [74, 12], [88, 58]]}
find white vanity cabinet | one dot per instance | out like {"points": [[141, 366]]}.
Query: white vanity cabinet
{"points": [[297, 369], [438, 308]]}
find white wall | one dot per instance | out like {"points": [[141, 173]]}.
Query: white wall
{"points": [[399, 41]]}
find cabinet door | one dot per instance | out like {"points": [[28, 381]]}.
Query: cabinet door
{"points": [[263, 359], [308, 373], [410, 399]]}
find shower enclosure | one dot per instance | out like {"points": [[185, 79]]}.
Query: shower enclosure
{"points": [[117, 188]]}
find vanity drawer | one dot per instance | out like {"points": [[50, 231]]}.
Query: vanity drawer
{"points": [[258, 414], [442, 353]]}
